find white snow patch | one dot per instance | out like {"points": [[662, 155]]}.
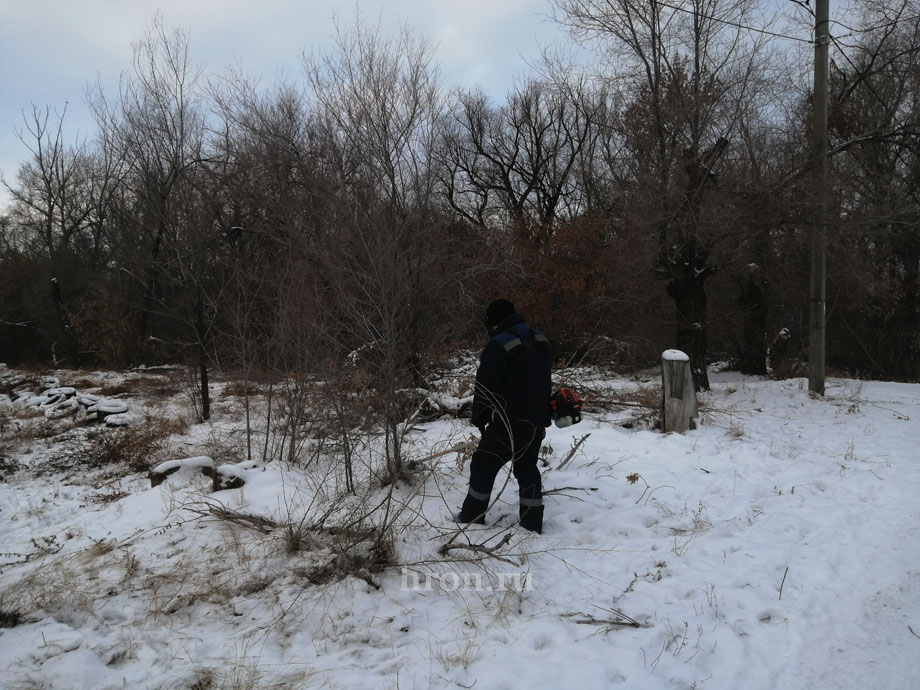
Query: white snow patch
{"points": [[773, 547]]}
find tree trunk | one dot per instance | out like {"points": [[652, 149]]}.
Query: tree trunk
{"points": [[202, 358], [70, 339], [689, 295], [752, 345]]}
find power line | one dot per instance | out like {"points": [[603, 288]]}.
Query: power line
{"points": [[888, 23], [737, 25]]}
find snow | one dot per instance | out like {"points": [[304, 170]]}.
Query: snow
{"points": [[184, 464], [675, 356], [109, 407], [772, 547]]}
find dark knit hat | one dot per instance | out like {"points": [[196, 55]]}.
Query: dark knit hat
{"points": [[497, 311]]}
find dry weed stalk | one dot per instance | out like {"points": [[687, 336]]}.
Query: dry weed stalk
{"points": [[219, 511]]}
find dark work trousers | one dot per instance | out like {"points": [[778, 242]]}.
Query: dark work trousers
{"points": [[497, 447]]}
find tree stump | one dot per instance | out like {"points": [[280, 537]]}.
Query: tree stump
{"points": [[678, 394]]}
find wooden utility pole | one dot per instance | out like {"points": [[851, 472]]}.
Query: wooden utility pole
{"points": [[817, 290]]}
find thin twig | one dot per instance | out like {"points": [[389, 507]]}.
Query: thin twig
{"points": [[568, 488], [900, 415], [614, 623], [783, 583]]}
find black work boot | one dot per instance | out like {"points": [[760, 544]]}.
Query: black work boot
{"points": [[473, 510], [462, 519], [532, 518]]}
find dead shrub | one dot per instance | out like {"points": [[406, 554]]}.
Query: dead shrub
{"points": [[10, 616], [357, 551], [37, 427], [360, 553], [8, 466], [113, 390], [84, 383], [158, 386], [136, 447], [205, 679], [109, 497], [240, 389], [644, 397], [9, 619]]}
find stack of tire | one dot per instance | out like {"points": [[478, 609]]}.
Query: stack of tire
{"points": [[57, 401]]}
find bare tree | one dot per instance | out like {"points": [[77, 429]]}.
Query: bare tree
{"points": [[687, 67], [874, 129], [53, 203], [516, 164], [165, 225], [378, 103], [156, 127]]}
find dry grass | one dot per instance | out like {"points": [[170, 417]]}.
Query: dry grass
{"points": [[156, 386], [239, 389], [109, 496], [114, 390], [137, 447], [57, 587]]}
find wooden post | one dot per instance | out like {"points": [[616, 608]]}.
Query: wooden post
{"points": [[817, 287], [678, 394]]}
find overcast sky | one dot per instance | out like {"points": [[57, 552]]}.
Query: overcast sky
{"points": [[51, 49]]}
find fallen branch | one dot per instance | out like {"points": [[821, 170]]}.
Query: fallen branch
{"points": [[560, 490], [568, 456], [620, 620], [612, 623], [459, 448], [569, 488], [479, 548]]}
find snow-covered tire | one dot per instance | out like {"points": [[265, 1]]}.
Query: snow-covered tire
{"points": [[104, 408]]}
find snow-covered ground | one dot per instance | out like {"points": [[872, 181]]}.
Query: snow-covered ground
{"points": [[775, 546]]}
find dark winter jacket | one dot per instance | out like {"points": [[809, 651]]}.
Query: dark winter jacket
{"points": [[514, 377]]}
